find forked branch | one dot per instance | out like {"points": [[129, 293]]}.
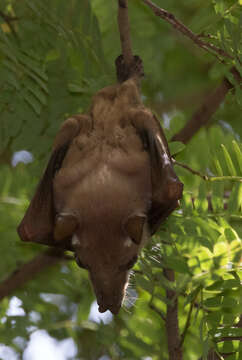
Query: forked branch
{"points": [[179, 26]]}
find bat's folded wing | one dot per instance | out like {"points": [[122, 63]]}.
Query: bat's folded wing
{"points": [[39, 220], [166, 187]]}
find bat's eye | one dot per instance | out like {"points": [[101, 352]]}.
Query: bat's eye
{"points": [[79, 263], [129, 265]]}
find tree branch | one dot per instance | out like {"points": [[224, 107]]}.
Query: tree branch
{"points": [[178, 25], [172, 326], [124, 31], [127, 65], [29, 270], [203, 115]]}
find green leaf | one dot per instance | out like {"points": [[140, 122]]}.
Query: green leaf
{"points": [[145, 284], [236, 356], [207, 228], [224, 284], [176, 147], [235, 199], [228, 332], [176, 263], [228, 346], [192, 295], [33, 66], [77, 89], [217, 196], [238, 154], [230, 234], [34, 104], [229, 161], [38, 93], [218, 167], [213, 302]]}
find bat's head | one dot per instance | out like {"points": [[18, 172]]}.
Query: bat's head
{"points": [[108, 252]]}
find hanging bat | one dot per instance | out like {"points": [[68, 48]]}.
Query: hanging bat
{"points": [[108, 186]]}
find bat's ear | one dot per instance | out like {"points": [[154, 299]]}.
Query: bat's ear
{"points": [[134, 228], [38, 222]]}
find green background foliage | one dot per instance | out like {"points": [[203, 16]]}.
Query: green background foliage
{"points": [[53, 57]]}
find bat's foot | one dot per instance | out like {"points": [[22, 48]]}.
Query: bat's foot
{"points": [[125, 72]]}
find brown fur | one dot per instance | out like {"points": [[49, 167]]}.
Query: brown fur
{"points": [[108, 186]]}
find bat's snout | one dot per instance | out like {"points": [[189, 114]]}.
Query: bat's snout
{"points": [[114, 308], [111, 303], [109, 287]]}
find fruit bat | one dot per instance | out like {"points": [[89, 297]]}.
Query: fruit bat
{"points": [[108, 186]]}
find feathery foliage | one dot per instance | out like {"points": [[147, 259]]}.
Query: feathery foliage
{"points": [[54, 55]]}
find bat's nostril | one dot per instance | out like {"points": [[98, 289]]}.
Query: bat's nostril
{"points": [[114, 309]]}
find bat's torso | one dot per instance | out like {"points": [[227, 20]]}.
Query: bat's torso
{"points": [[103, 174], [106, 171]]}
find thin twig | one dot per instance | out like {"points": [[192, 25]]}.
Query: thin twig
{"points": [[178, 25], [213, 354], [229, 338], [212, 102], [124, 31], [206, 177], [188, 322], [159, 312], [194, 172], [154, 308]]}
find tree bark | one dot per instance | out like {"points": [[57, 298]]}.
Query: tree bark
{"points": [[203, 115], [172, 325], [29, 270]]}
